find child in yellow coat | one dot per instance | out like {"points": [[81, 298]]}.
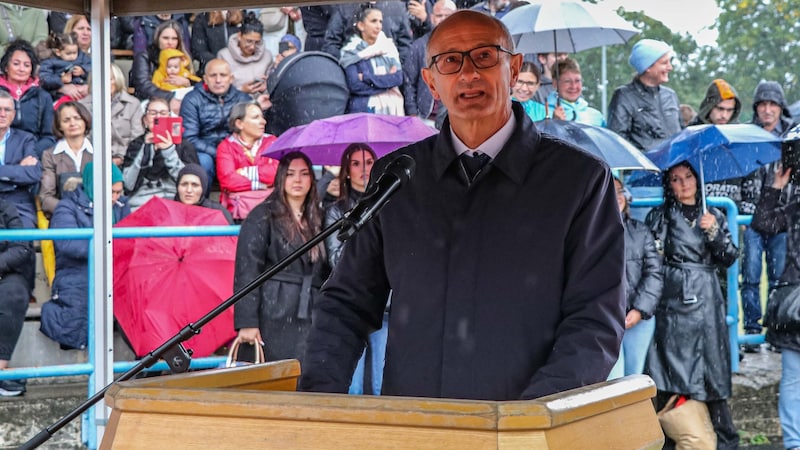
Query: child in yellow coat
{"points": [[173, 62]]}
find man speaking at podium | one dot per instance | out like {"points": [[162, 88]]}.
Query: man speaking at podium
{"points": [[506, 274]]}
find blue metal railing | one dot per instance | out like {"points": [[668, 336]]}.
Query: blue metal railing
{"points": [[89, 426], [88, 368]]}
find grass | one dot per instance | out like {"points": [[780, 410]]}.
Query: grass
{"points": [[746, 438]]}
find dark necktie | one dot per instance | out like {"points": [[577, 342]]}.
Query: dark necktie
{"points": [[473, 162]]}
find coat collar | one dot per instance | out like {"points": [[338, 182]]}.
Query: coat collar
{"points": [[513, 160]]}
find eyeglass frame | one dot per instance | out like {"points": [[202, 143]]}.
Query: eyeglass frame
{"points": [[253, 42], [528, 84], [153, 113], [466, 54]]}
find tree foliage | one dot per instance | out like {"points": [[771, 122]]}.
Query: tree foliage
{"points": [[757, 41]]}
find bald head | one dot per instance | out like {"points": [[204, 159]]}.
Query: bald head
{"points": [[218, 76], [442, 9], [468, 19]]}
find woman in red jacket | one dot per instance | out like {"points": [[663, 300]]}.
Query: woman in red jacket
{"points": [[245, 176]]}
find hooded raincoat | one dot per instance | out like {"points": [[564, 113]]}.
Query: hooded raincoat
{"points": [[160, 76], [690, 353]]}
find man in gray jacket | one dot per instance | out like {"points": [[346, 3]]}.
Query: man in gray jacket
{"points": [[771, 113], [644, 111]]}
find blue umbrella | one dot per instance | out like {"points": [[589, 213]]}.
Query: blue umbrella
{"points": [[601, 142], [719, 152]]}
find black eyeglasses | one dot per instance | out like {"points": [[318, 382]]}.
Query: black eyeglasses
{"points": [[448, 63]]}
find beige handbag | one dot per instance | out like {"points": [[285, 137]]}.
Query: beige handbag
{"points": [[233, 355], [688, 424]]}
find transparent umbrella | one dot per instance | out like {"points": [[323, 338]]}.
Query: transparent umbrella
{"points": [[566, 26]]}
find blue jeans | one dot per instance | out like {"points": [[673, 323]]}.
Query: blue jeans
{"points": [[755, 244], [376, 346], [789, 398], [208, 163], [633, 352]]}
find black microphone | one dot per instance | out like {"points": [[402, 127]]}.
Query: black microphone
{"points": [[397, 173]]}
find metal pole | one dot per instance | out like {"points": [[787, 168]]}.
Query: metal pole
{"points": [[101, 343], [603, 82]]}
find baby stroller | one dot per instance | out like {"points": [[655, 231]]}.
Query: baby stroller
{"points": [[305, 86]]}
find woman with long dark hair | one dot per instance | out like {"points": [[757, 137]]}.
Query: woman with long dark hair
{"points": [[278, 313], [690, 353], [168, 34], [356, 166]]}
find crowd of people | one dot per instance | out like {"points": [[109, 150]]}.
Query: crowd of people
{"points": [[213, 70]]}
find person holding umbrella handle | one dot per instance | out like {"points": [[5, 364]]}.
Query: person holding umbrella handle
{"points": [[690, 352]]}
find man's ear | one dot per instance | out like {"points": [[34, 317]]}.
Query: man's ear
{"points": [[516, 67], [427, 75]]}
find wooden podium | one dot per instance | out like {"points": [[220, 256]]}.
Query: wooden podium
{"points": [[256, 407]]}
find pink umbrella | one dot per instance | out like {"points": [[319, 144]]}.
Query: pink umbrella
{"points": [[162, 284], [324, 140]]}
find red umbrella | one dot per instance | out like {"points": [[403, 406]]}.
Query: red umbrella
{"points": [[162, 284]]}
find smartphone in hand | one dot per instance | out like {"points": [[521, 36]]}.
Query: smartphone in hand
{"points": [[171, 125]]}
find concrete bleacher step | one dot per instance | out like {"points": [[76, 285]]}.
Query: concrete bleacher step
{"points": [[21, 418], [34, 349]]}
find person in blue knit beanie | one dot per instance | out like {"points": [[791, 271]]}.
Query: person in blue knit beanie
{"points": [[644, 111]]}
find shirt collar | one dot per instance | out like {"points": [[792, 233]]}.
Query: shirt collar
{"points": [[62, 146], [491, 146]]}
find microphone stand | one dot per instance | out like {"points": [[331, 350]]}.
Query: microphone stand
{"points": [[172, 350]]}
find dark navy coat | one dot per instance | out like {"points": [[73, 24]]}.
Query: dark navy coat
{"points": [[507, 288], [18, 183], [418, 100], [35, 115], [65, 316], [51, 69], [205, 117]]}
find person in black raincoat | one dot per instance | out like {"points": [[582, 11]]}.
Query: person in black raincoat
{"points": [[356, 165], [773, 215], [278, 314], [645, 280], [690, 353]]}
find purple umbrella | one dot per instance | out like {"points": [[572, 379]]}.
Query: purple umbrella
{"points": [[324, 140]]}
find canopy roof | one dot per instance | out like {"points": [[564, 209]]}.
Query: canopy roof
{"points": [[144, 7]]}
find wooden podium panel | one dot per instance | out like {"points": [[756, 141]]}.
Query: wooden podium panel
{"points": [[255, 407]]}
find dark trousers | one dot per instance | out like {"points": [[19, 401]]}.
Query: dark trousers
{"points": [[14, 298]]}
